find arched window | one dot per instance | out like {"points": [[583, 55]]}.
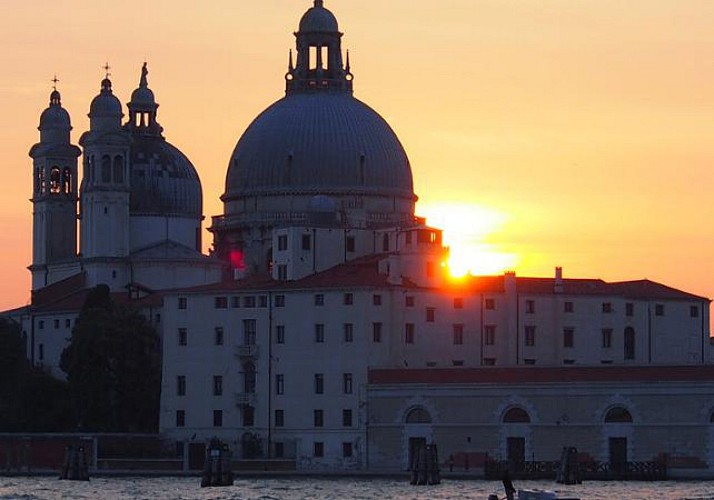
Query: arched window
{"points": [[55, 182], [618, 415], [249, 378], [629, 343], [385, 243], [516, 416], [118, 170], [106, 169], [418, 415], [39, 177], [67, 181]]}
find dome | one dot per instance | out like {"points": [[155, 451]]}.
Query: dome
{"points": [[319, 143], [142, 95], [163, 180], [318, 20], [55, 116], [105, 104]]}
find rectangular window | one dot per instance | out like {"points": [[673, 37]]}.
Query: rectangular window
{"points": [[490, 304], [347, 383], [693, 311], [318, 449], [529, 361], [282, 242], [659, 309], [430, 314], [249, 331], [306, 242], [489, 335], [41, 352], [319, 383], [318, 418], [249, 301], [348, 330], [458, 303], [607, 338], [530, 336], [376, 299], [346, 418], [348, 299], [568, 361], [182, 336], [217, 385], [568, 307], [181, 385], [350, 244], [409, 301], [319, 299], [41, 324], [235, 302], [489, 361], [57, 324], [279, 418], [217, 418], [183, 303], [279, 334], [280, 301], [346, 450], [458, 331], [248, 416], [218, 335], [282, 272], [568, 337], [221, 302], [319, 333], [279, 383], [530, 307], [409, 333], [180, 418], [457, 362], [606, 307], [629, 309], [376, 332], [158, 318], [68, 322]]}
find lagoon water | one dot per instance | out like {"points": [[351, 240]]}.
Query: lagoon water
{"points": [[128, 488]]}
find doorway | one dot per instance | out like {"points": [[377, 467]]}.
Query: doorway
{"points": [[618, 456], [415, 444], [516, 453]]}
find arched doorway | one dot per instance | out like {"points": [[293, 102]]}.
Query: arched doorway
{"points": [[515, 419], [616, 420], [418, 432]]}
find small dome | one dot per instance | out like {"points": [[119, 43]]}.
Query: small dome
{"points": [[163, 180], [105, 104], [318, 20], [143, 95], [55, 116]]}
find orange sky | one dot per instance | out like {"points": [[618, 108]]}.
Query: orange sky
{"points": [[570, 133]]}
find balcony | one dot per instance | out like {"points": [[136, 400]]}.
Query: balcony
{"points": [[247, 351], [245, 399]]}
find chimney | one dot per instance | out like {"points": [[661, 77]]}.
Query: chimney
{"points": [[558, 285]]}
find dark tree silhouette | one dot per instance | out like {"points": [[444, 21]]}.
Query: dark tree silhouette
{"points": [[30, 399], [113, 367]]}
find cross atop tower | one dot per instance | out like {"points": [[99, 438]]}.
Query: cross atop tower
{"points": [[106, 69], [54, 81]]}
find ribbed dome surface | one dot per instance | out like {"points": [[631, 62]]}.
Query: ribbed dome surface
{"points": [[319, 143], [105, 104], [55, 117], [318, 20], [163, 180]]}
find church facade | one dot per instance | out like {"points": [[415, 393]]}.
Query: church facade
{"points": [[323, 328]]}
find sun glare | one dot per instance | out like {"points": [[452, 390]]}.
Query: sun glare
{"points": [[468, 231]]}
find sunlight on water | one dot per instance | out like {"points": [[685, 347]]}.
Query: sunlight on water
{"points": [[48, 488]]}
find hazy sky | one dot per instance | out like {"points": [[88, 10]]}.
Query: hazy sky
{"points": [[574, 133]]}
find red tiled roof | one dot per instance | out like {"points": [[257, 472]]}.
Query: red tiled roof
{"points": [[536, 375]]}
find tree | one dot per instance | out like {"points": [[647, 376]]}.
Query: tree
{"points": [[30, 399], [113, 367]]}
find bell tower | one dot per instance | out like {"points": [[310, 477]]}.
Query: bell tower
{"points": [[54, 194], [104, 229]]}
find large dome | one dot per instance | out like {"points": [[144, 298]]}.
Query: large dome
{"points": [[319, 143], [163, 180]]}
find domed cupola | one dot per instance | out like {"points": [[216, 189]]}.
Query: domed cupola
{"points": [[55, 123], [105, 111], [163, 180], [317, 141]]}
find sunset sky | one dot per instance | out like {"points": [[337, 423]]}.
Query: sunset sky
{"points": [[541, 133]]}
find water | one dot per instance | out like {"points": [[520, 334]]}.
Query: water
{"points": [[49, 488]]}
